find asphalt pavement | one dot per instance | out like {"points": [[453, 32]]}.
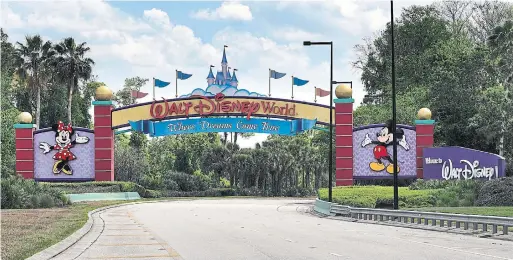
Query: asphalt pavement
{"points": [[261, 229]]}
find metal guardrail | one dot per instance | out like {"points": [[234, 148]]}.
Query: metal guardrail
{"points": [[472, 222]]}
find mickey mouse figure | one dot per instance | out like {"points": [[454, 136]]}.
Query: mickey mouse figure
{"points": [[63, 134], [385, 139]]}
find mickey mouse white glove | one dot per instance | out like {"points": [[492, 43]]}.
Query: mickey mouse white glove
{"points": [[404, 144], [366, 141], [81, 139], [45, 147]]}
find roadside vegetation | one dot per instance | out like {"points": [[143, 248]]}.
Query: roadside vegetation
{"points": [[432, 193]]}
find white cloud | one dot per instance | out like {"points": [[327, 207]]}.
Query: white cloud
{"points": [[254, 55], [352, 16], [126, 46], [158, 17], [78, 16], [295, 35], [227, 11], [10, 19]]}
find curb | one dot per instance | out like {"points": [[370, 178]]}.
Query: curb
{"points": [[72, 239]]}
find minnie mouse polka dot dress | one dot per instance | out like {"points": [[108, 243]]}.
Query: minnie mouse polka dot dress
{"points": [[64, 153]]}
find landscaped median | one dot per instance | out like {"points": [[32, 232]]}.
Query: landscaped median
{"points": [[379, 196], [493, 198]]}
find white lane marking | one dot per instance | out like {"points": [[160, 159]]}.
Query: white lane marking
{"points": [[335, 254]]}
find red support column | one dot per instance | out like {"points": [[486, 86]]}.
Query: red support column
{"points": [[24, 135], [425, 129], [103, 141], [344, 141]]}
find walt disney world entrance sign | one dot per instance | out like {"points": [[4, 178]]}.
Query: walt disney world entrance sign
{"points": [[221, 114]]}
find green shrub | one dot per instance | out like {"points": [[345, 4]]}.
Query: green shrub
{"points": [[297, 192], [421, 184], [458, 193], [206, 193], [379, 196], [171, 185], [498, 192], [46, 201], [152, 181], [224, 183], [153, 194], [189, 182], [97, 187], [18, 193]]}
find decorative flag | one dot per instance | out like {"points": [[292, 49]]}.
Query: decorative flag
{"points": [[276, 75], [138, 94], [159, 83], [298, 81], [182, 76], [321, 92]]}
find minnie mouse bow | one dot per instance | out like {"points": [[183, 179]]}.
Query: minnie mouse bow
{"points": [[63, 127]]}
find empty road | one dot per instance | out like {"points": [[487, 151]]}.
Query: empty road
{"points": [[260, 229]]}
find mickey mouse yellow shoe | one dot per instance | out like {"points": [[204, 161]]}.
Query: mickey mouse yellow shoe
{"points": [[390, 169], [377, 167]]}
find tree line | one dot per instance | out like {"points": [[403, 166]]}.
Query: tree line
{"points": [[454, 57], [278, 166]]}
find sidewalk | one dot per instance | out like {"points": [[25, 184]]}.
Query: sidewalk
{"points": [[116, 234]]}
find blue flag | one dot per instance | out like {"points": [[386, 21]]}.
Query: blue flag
{"points": [[159, 83], [276, 75], [298, 81], [182, 76]]}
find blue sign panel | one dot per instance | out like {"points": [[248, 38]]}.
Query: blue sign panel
{"points": [[460, 163], [239, 125]]}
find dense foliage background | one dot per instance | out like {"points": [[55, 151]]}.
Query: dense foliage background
{"points": [[455, 58]]}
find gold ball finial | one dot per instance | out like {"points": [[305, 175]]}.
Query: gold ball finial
{"points": [[343, 91], [103, 93], [424, 114], [25, 118]]}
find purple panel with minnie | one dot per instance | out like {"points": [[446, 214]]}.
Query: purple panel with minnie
{"points": [[373, 149], [64, 153]]}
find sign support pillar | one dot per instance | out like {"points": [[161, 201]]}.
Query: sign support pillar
{"points": [[344, 141], [425, 129], [103, 141], [24, 134]]}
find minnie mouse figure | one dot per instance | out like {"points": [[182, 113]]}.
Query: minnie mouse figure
{"points": [[63, 134], [385, 138]]}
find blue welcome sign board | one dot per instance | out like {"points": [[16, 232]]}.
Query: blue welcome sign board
{"points": [[210, 125]]}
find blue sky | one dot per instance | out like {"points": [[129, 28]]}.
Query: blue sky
{"points": [[153, 38]]}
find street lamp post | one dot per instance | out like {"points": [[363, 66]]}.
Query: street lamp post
{"points": [[330, 175], [394, 118]]}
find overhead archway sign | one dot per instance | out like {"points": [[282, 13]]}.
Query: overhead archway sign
{"points": [[220, 105]]}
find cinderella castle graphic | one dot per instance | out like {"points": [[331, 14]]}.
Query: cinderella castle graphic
{"points": [[224, 81], [223, 77]]}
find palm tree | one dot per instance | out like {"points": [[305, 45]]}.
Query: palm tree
{"points": [[72, 66], [32, 64]]}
